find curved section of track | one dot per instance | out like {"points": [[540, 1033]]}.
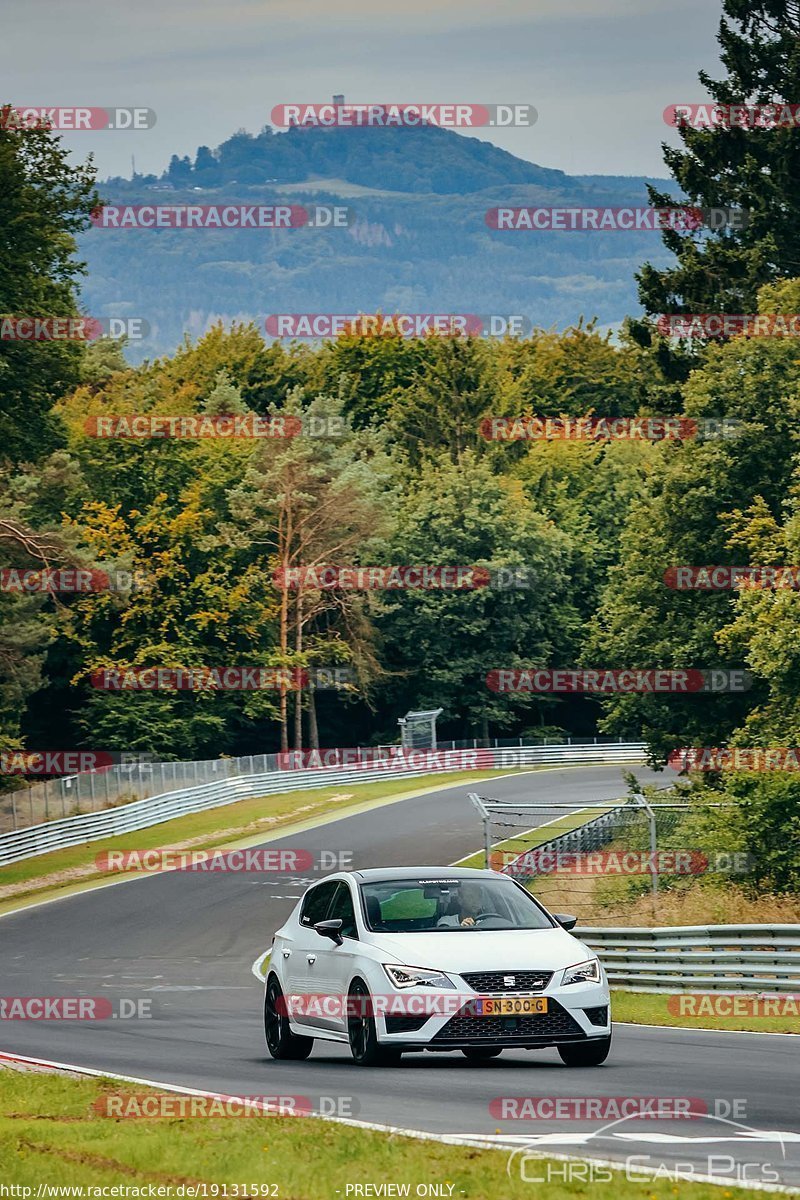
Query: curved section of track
{"points": [[185, 941]]}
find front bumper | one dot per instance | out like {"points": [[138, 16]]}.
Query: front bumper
{"points": [[575, 1013]]}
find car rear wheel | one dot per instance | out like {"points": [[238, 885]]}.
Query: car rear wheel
{"points": [[481, 1053], [586, 1054], [362, 1034], [281, 1042]]}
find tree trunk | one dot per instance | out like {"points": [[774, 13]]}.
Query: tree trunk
{"points": [[298, 695], [284, 640], [285, 534], [313, 731]]}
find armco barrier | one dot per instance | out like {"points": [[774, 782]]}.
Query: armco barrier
{"points": [[140, 814], [701, 958]]}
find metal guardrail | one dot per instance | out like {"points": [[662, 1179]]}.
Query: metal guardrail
{"points": [[140, 814], [703, 958], [137, 777]]}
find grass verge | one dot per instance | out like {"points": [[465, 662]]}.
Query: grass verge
{"points": [[52, 1135], [643, 1008], [245, 820]]}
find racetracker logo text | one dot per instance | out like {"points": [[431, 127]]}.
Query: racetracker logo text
{"points": [[596, 429], [134, 426], [596, 1108], [221, 216], [736, 758], [715, 325], [174, 1106], [411, 325], [395, 758], [71, 329], [215, 861], [73, 1008], [731, 1005], [15, 118], [70, 580], [600, 862], [732, 116], [53, 762], [403, 115], [330, 578], [627, 680], [720, 579], [239, 679], [681, 219]]}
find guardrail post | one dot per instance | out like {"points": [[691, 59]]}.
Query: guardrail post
{"points": [[651, 818], [13, 810], [485, 817]]}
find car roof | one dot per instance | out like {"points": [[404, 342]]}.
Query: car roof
{"points": [[433, 874]]}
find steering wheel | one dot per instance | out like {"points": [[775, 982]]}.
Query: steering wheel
{"points": [[487, 915]]}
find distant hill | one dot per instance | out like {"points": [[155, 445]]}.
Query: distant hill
{"points": [[419, 242], [416, 160]]}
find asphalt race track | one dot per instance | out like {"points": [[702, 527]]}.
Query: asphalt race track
{"points": [[186, 941]]}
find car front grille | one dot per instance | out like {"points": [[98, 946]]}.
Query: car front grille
{"points": [[494, 982], [466, 1027]]}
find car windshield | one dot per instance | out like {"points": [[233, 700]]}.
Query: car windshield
{"points": [[446, 905]]}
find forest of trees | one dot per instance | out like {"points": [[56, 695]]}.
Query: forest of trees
{"points": [[202, 525]]}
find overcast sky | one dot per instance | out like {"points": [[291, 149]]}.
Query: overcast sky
{"points": [[599, 72]]}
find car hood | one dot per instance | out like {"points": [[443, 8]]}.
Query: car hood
{"points": [[486, 950]]}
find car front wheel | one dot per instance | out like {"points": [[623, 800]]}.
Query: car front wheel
{"points": [[362, 1034], [586, 1054], [281, 1042]]}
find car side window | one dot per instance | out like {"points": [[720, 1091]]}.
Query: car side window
{"points": [[342, 909], [316, 903]]}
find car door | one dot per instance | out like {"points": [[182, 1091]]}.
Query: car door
{"points": [[334, 966], [301, 956]]}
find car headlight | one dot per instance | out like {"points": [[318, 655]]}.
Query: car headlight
{"points": [[406, 977], [583, 972]]}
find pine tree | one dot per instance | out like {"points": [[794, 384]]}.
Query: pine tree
{"points": [[756, 169], [225, 397]]}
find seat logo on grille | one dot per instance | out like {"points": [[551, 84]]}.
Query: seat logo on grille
{"points": [[509, 980]]}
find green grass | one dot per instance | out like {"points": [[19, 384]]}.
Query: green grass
{"points": [[642, 1008], [252, 819], [51, 1134]]}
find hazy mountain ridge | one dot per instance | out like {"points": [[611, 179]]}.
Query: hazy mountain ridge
{"points": [[426, 247]]}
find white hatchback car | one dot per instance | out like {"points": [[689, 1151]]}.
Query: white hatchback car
{"points": [[432, 958]]}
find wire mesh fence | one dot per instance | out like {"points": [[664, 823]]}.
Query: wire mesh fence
{"points": [[138, 779], [593, 861], [109, 787]]}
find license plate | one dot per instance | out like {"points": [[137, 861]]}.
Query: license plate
{"points": [[510, 1006]]}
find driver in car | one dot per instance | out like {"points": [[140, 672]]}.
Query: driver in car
{"points": [[462, 910]]}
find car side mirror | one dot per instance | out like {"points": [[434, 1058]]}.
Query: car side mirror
{"points": [[330, 929], [566, 920]]}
